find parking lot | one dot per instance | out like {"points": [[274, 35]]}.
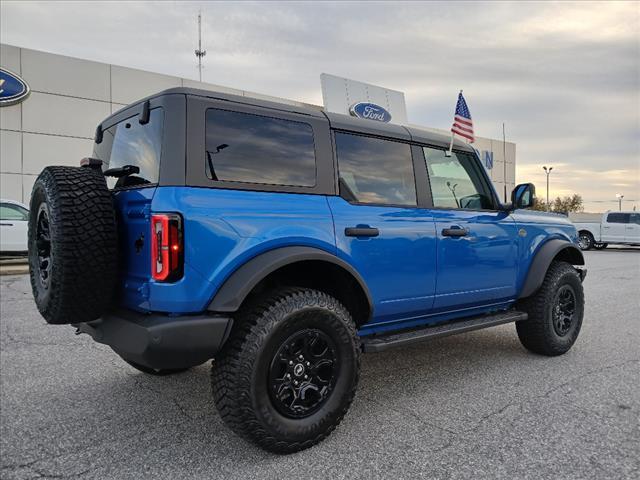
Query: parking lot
{"points": [[471, 406]]}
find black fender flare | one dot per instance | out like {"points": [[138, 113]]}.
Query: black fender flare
{"points": [[542, 260], [239, 284]]}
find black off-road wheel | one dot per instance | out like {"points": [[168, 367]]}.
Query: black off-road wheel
{"points": [[288, 374], [585, 240], [72, 244], [555, 312]]}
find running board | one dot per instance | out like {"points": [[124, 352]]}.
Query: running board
{"points": [[378, 343]]}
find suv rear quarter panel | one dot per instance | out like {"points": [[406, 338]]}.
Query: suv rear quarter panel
{"points": [[223, 229]]}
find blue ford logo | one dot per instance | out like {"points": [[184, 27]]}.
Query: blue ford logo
{"points": [[12, 88], [370, 111]]}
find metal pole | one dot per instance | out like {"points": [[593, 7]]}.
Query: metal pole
{"points": [[199, 52], [504, 162], [547, 171]]}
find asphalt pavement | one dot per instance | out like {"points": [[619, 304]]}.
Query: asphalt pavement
{"points": [[473, 406]]}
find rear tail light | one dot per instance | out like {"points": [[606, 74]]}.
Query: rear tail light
{"points": [[167, 247]]}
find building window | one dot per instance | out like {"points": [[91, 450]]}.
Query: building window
{"points": [[249, 148], [375, 171]]}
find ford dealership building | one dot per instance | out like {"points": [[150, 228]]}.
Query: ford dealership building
{"points": [[55, 123]]}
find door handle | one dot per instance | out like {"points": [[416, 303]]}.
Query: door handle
{"points": [[6, 224], [364, 231], [454, 232]]}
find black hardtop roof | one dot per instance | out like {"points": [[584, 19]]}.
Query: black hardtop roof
{"points": [[336, 120]]}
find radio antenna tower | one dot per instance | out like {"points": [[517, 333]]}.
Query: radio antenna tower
{"points": [[199, 52]]}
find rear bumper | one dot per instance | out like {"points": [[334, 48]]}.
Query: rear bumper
{"points": [[160, 341]]}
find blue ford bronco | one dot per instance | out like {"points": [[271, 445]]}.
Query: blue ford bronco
{"points": [[281, 242]]}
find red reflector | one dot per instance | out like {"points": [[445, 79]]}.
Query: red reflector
{"points": [[166, 247]]}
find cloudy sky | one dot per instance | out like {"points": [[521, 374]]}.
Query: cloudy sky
{"points": [[565, 77]]}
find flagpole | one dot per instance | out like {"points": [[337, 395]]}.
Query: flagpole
{"points": [[451, 144]]}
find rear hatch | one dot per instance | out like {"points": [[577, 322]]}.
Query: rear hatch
{"points": [[130, 152]]}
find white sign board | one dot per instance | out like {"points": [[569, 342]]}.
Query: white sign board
{"points": [[340, 94]]}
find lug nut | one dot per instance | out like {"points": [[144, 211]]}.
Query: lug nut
{"points": [[306, 376], [308, 364], [290, 362]]}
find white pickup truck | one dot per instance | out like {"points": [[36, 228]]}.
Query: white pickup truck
{"points": [[621, 228]]}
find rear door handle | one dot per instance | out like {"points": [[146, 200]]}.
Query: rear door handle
{"points": [[361, 232], [454, 232], [6, 224]]}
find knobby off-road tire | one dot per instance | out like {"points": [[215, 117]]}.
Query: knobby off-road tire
{"points": [[72, 244], [555, 312], [300, 333]]}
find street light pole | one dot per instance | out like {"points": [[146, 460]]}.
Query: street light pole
{"points": [[547, 171], [619, 196]]}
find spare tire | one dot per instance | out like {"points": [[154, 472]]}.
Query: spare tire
{"points": [[72, 244]]}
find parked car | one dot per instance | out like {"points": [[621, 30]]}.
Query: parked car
{"points": [[622, 228], [282, 242], [14, 217]]}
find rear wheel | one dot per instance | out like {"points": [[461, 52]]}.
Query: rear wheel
{"points": [[585, 240], [555, 312], [288, 374], [72, 244]]}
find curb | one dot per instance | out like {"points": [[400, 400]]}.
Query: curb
{"points": [[14, 269]]}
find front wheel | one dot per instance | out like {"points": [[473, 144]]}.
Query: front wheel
{"points": [[555, 312], [288, 374]]}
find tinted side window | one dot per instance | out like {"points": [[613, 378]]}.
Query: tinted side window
{"points": [[635, 218], [8, 211], [375, 171], [618, 218], [242, 147], [131, 143], [456, 181]]}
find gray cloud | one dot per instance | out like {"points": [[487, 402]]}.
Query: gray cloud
{"points": [[564, 77]]}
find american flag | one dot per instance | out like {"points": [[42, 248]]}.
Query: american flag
{"points": [[462, 123]]}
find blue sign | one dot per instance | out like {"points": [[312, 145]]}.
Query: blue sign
{"points": [[12, 88], [370, 111], [486, 156]]}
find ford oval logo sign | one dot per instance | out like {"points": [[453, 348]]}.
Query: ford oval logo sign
{"points": [[12, 88], [370, 111]]}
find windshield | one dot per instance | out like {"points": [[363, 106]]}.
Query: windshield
{"points": [[132, 143]]}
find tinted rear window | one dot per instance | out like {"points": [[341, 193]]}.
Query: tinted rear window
{"points": [[375, 171], [618, 218], [249, 148], [131, 143]]}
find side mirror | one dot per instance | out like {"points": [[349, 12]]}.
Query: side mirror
{"points": [[523, 196]]}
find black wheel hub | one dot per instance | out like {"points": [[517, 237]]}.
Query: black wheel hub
{"points": [[43, 246], [563, 310], [303, 373]]}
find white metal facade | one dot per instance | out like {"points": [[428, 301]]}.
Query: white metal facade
{"points": [[55, 125]]}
